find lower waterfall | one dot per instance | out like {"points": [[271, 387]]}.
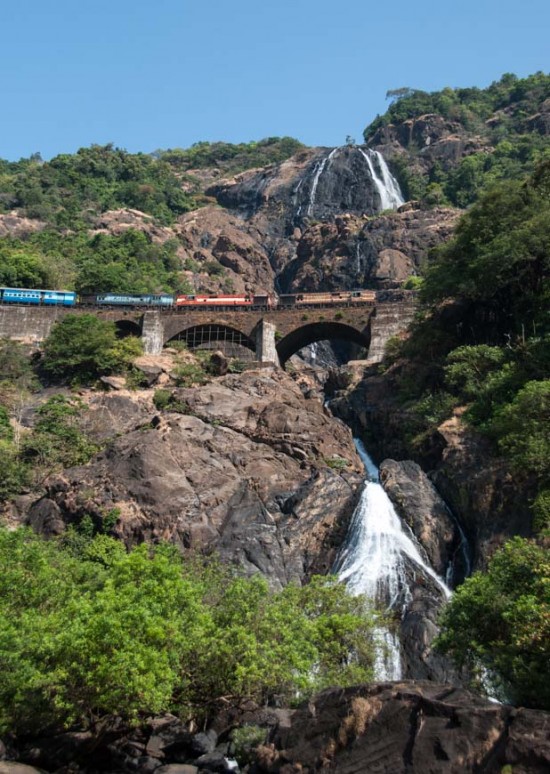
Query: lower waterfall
{"points": [[380, 560]]}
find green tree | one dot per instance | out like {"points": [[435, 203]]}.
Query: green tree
{"points": [[523, 428], [500, 620], [88, 630], [83, 347]]}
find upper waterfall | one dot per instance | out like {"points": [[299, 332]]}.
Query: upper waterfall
{"points": [[387, 186], [317, 174], [339, 181]]}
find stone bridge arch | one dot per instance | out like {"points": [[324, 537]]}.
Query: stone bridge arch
{"points": [[320, 331], [216, 335], [127, 327]]}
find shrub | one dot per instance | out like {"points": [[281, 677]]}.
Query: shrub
{"points": [[82, 347], [500, 619], [88, 631]]}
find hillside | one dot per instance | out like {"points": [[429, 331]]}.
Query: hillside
{"points": [[450, 145]]}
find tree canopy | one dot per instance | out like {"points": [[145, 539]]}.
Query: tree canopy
{"points": [[88, 630], [499, 620], [82, 347]]}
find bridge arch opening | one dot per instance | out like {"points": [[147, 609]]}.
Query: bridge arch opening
{"points": [[320, 331], [217, 336], [125, 328]]}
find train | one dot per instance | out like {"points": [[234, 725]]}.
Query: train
{"points": [[191, 301], [37, 297]]}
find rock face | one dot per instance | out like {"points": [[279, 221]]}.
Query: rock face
{"points": [[426, 141], [245, 470], [478, 487], [420, 506], [406, 728], [223, 252], [379, 252], [402, 728], [13, 225]]}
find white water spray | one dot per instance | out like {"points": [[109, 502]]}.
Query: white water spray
{"points": [[387, 186], [382, 562]]}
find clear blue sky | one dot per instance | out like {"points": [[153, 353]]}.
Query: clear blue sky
{"points": [[150, 74]]}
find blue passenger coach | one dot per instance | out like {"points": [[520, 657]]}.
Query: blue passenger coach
{"points": [[116, 299], [37, 297]]}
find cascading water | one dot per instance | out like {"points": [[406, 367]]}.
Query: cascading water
{"points": [[381, 561], [387, 186], [316, 176]]}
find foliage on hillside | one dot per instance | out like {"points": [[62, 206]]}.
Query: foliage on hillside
{"points": [[79, 349], [127, 263], [502, 114], [73, 187], [231, 158], [71, 190], [82, 347], [55, 442], [88, 630], [500, 620], [483, 338]]}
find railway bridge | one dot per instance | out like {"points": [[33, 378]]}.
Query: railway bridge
{"points": [[268, 336]]}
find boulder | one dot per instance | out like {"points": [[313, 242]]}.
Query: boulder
{"points": [[408, 727]]}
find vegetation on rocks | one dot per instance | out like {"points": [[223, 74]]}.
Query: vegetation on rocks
{"points": [[89, 630], [126, 263], [81, 348], [231, 158], [55, 442], [72, 186], [499, 620], [503, 116], [483, 337]]}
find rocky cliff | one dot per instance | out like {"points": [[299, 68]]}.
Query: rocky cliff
{"points": [[398, 727], [246, 466], [478, 487]]}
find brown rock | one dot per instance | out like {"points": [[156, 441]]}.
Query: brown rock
{"points": [[421, 507], [409, 727], [243, 472], [16, 226]]}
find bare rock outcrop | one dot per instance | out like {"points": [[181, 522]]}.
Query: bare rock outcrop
{"points": [[402, 728], [408, 728], [116, 222], [428, 140], [251, 469], [14, 225], [378, 252], [224, 252]]}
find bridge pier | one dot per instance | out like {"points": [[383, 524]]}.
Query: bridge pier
{"points": [[266, 351], [389, 320], [152, 333]]}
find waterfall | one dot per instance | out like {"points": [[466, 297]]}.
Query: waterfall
{"points": [[387, 186], [390, 183], [379, 559], [297, 207], [319, 168]]}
